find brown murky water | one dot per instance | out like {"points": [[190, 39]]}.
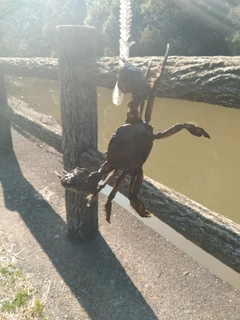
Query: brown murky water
{"points": [[205, 171]]}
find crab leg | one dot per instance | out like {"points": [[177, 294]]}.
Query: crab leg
{"points": [[108, 205], [152, 94], [136, 203], [132, 114], [96, 176], [150, 62], [94, 179], [103, 183], [192, 128]]}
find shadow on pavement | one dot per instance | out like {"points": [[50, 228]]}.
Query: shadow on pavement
{"points": [[91, 271]]}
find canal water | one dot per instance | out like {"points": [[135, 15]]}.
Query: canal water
{"points": [[207, 171]]}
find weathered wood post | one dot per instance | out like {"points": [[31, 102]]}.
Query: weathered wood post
{"points": [[5, 126], [79, 122]]}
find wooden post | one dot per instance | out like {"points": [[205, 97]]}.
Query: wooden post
{"points": [[5, 126], [78, 102]]}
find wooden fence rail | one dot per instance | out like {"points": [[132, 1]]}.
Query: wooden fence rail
{"points": [[214, 80], [213, 233], [32, 122]]}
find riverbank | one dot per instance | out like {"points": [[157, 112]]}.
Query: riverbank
{"points": [[128, 272]]}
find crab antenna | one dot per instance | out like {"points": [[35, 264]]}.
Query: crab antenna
{"points": [[152, 93], [150, 63]]}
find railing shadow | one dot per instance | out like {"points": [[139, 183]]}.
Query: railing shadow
{"points": [[91, 271]]}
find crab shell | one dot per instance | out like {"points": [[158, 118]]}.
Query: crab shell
{"points": [[130, 146]]}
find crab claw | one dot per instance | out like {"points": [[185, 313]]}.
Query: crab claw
{"points": [[58, 174], [190, 127], [196, 131], [206, 135], [77, 180]]}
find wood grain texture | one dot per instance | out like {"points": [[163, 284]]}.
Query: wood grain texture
{"points": [[78, 104], [213, 80]]}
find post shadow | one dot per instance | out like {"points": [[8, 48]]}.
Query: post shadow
{"points": [[91, 270]]}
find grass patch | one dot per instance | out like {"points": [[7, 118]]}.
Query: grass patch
{"points": [[38, 308], [7, 306], [6, 272], [18, 297], [18, 301]]}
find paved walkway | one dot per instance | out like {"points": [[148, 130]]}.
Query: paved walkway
{"points": [[129, 272]]}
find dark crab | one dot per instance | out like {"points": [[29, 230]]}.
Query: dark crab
{"points": [[129, 147]]}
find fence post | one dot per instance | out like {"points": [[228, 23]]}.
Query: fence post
{"points": [[5, 126], [78, 103]]}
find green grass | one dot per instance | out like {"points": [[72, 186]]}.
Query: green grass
{"points": [[18, 297], [18, 301], [7, 306], [38, 307], [7, 276], [6, 272]]}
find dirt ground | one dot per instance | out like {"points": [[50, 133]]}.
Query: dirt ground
{"points": [[128, 272]]}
